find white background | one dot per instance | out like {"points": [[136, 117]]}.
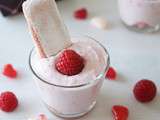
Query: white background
{"points": [[134, 55]]}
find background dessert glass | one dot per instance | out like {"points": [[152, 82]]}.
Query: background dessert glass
{"points": [[70, 101], [140, 15]]}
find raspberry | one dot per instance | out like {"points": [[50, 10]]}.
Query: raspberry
{"points": [[9, 71], [69, 63], [8, 101], [81, 14], [120, 112], [145, 90], [42, 117], [111, 73]]}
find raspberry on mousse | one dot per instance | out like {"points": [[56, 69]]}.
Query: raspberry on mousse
{"points": [[69, 63]]}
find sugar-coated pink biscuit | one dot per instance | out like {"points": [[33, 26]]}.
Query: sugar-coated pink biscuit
{"points": [[48, 31], [37, 43]]}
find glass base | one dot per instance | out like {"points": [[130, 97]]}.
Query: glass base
{"points": [[75, 115], [147, 29]]}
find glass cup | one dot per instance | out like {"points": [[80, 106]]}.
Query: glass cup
{"points": [[140, 15], [70, 101]]}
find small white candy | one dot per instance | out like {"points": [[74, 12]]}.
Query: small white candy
{"points": [[99, 22], [31, 119]]}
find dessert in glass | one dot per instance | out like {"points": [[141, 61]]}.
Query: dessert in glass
{"points": [[71, 96], [69, 71], [140, 15]]}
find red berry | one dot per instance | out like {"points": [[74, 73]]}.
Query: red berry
{"points": [[145, 90], [81, 13], [42, 117], [9, 71], [111, 74], [8, 101], [69, 63], [120, 112]]}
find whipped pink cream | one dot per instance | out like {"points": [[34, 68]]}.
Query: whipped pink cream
{"points": [[140, 13], [72, 101], [95, 61]]}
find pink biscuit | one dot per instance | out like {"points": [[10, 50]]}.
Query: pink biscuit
{"points": [[47, 29]]}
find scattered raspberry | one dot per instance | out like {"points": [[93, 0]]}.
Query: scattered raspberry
{"points": [[81, 14], [9, 71], [42, 117], [8, 101], [111, 73], [120, 112], [145, 90], [69, 63]]}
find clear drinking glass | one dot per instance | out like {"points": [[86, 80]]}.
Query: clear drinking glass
{"points": [[140, 15], [69, 101]]}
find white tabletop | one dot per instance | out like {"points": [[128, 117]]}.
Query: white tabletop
{"points": [[134, 55]]}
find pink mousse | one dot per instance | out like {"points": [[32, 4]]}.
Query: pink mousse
{"points": [[95, 61], [75, 100], [142, 13]]}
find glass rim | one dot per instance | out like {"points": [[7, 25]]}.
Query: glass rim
{"points": [[73, 86], [152, 1]]}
